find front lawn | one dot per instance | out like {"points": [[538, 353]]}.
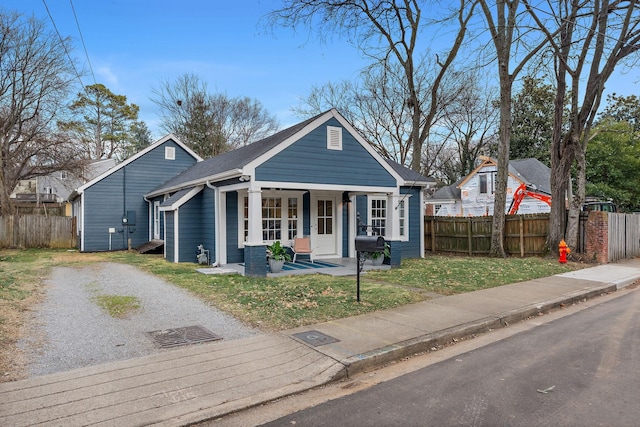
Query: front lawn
{"points": [[268, 304]]}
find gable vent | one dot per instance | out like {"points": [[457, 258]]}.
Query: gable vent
{"points": [[334, 138], [170, 153]]}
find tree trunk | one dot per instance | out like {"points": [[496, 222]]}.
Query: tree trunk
{"points": [[577, 200], [500, 196]]}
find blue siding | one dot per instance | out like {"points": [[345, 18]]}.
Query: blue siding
{"points": [[361, 208], [306, 214], [411, 248], [170, 238], [190, 233], [107, 201], [309, 161], [345, 229], [234, 254]]}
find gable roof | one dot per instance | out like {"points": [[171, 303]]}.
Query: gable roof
{"points": [[230, 164], [531, 171], [448, 192], [131, 159]]}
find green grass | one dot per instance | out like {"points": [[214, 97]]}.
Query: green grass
{"points": [[120, 306], [454, 275], [287, 302]]}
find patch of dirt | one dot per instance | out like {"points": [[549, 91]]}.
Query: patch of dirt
{"points": [[15, 319]]}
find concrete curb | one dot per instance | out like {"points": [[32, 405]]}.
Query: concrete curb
{"points": [[383, 356]]}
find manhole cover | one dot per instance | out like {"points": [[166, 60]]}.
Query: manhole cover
{"points": [[315, 338], [167, 338]]}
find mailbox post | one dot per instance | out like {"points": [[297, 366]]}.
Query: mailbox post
{"points": [[366, 244]]}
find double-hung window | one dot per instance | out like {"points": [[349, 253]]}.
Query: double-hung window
{"points": [[378, 216]]}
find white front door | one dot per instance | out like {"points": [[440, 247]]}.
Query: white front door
{"points": [[156, 220], [324, 231]]}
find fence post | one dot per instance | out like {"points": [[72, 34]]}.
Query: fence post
{"points": [[433, 236], [521, 220], [469, 236]]}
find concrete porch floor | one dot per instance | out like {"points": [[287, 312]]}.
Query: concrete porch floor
{"points": [[346, 267]]}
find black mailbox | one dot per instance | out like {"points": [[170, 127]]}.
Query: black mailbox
{"points": [[369, 243]]}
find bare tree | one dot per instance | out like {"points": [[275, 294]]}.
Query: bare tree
{"points": [[513, 50], [471, 123], [36, 77], [375, 104], [589, 39], [210, 123], [387, 31]]}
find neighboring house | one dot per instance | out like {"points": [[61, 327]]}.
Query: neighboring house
{"points": [[58, 186], [313, 179], [111, 210], [474, 194]]}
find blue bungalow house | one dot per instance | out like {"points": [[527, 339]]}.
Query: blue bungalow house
{"points": [[318, 178]]}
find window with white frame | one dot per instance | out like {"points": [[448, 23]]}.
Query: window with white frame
{"points": [[271, 218], [378, 216], [281, 218], [402, 219], [292, 222]]}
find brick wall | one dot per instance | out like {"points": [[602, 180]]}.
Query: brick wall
{"points": [[597, 237]]}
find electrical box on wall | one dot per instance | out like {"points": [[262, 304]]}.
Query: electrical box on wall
{"points": [[129, 219]]}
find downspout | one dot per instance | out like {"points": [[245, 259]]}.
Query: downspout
{"points": [[216, 223]]}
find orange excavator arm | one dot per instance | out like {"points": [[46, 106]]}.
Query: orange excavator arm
{"points": [[524, 191]]}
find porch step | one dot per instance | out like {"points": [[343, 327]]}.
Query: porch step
{"points": [[151, 247]]}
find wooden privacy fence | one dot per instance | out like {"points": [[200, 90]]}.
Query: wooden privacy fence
{"points": [[37, 231], [624, 236], [525, 235]]}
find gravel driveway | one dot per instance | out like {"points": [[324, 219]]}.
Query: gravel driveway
{"points": [[70, 331]]}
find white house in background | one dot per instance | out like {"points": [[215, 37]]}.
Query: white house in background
{"points": [[473, 195]]}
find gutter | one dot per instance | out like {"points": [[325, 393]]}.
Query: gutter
{"points": [[218, 177]]}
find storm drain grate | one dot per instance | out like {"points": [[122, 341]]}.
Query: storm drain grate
{"points": [[167, 338], [315, 338]]}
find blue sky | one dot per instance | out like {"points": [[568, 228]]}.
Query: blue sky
{"points": [[134, 45]]}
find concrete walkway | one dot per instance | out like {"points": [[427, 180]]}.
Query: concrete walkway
{"points": [[211, 380]]}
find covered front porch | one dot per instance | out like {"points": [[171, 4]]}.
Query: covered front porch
{"points": [[329, 266]]}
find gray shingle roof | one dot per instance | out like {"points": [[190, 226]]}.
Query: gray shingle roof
{"points": [[533, 172], [449, 192], [231, 160], [410, 175]]}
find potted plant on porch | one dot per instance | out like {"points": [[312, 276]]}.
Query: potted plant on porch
{"points": [[277, 255], [377, 258]]}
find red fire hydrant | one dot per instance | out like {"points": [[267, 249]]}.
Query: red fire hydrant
{"points": [[564, 251]]}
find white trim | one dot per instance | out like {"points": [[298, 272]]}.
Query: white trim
{"points": [[221, 234], [327, 187], [176, 236], [169, 153], [153, 146], [82, 224], [421, 225]]}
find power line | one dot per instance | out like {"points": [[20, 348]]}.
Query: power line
{"points": [[64, 46], [82, 40]]}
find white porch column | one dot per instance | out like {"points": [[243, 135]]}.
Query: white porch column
{"points": [[393, 217], [255, 217]]}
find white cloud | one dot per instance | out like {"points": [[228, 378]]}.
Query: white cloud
{"points": [[107, 76]]}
